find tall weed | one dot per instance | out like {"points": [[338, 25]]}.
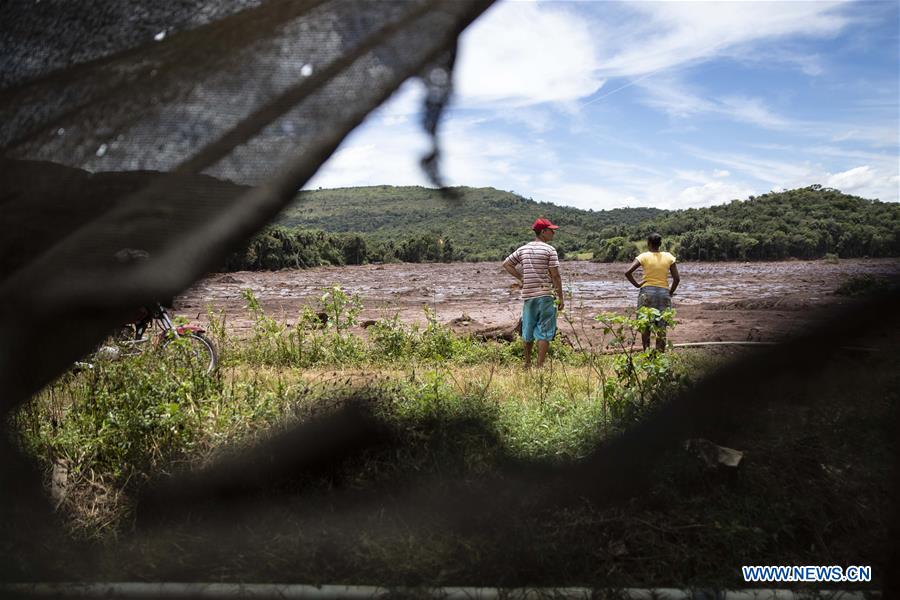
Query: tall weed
{"points": [[127, 421]]}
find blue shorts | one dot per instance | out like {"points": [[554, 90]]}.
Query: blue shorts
{"points": [[539, 319]]}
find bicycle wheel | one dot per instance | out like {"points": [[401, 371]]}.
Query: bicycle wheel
{"points": [[192, 350]]}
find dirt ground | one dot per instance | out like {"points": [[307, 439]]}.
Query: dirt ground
{"points": [[760, 301]]}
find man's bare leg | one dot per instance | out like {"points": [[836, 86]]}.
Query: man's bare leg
{"points": [[660, 341], [528, 346], [543, 346], [645, 339]]}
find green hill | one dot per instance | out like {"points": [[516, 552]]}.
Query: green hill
{"points": [[415, 224], [482, 222], [802, 223]]}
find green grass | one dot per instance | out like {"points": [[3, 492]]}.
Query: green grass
{"points": [[115, 427], [460, 417]]}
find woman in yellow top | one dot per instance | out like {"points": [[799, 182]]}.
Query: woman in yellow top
{"points": [[655, 291]]}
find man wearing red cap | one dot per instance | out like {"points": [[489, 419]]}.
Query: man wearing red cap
{"points": [[541, 288]]}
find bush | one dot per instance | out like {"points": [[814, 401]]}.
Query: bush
{"points": [[318, 337], [615, 249], [127, 421], [642, 379], [130, 417], [390, 338]]}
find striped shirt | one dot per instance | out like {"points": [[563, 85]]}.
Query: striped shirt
{"points": [[536, 259]]}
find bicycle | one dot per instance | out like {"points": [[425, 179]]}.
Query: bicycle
{"points": [[188, 344]]}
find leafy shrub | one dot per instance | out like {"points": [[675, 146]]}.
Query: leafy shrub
{"points": [[456, 400], [390, 338], [310, 341], [437, 341], [642, 379], [342, 308], [133, 415], [615, 249]]}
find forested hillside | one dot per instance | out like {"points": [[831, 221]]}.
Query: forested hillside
{"points": [[802, 223], [415, 224], [481, 223]]}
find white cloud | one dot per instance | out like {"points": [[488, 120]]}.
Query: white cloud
{"points": [[535, 119], [620, 170], [634, 184], [403, 106], [677, 100], [752, 110], [878, 178], [777, 173], [708, 194], [884, 135], [852, 180], [587, 196], [693, 188], [668, 34], [774, 174], [692, 176], [479, 158], [809, 64], [523, 68], [884, 159], [866, 182], [660, 192], [376, 154], [388, 153], [674, 99], [521, 53], [646, 148]]}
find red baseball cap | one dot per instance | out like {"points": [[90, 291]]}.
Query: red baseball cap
{"points": [[542, 224]]}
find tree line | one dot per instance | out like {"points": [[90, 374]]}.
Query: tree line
{"points": [[281, 247], [806, 223]]}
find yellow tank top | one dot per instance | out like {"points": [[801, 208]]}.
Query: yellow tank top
{"points": [[656, 268]]}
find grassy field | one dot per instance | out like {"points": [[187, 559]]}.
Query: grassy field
{"points": [[434, 489]]}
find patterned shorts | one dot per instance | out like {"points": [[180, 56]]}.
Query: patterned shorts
{"points": [[655, 297]]}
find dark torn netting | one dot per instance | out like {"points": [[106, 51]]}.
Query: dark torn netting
{"points": [[173, 130], [140, 126], [230, 98], [253, 93]]}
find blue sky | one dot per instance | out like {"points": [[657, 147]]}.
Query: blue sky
{"points": [[668, 104]]}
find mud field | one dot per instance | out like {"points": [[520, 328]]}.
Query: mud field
{"points": [[760, 301]]}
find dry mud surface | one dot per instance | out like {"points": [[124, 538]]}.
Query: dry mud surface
{"points": [[760, 301]]}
